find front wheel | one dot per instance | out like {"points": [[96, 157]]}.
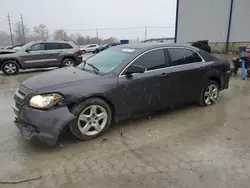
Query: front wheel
{"points": [[209, 94], [10, 67], [93, 119]]}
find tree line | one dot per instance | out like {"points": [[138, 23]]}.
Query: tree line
{"points": [[22, 35]]}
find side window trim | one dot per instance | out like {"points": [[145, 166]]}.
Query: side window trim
{"points": [[168, 55]]}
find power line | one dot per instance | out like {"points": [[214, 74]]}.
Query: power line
{"points": [[11, 36]]}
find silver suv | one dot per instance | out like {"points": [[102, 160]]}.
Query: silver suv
{"points": [[41, 54]]}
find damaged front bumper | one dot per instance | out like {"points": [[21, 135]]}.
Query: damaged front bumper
{"points": [[46, 126]]}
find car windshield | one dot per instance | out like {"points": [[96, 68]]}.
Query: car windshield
{"points": [[106, 61], [24, 47]]}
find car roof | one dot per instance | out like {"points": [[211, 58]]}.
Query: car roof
{"points": [[56, 41], [148, 46]]}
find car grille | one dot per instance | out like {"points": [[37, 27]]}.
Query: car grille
{"points": [[19, 99]]}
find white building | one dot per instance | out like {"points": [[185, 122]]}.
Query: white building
{"points": [[225, 23]]}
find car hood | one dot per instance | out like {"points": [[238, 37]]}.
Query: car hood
{"points": [[59, 77], [6, 52]]}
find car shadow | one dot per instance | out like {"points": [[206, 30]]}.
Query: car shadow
{"points": [[67, 139]]}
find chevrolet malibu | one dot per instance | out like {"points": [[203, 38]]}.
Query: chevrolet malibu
{"points": [[121, 82]]}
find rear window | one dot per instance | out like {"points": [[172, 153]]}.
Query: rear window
{"points": [[66, 46], [52, 46], [207, 56]]}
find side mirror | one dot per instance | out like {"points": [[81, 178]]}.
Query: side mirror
{"points": [[27, 50], [134, 69]]}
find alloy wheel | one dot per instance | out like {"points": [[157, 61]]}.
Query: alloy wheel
{"points": [[69, 63], [211, 94], [10, 68], [92, 120]]}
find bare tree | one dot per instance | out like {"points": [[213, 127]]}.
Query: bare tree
{"points": [[20, 36], [60, 35], [41, 32], [110, 40], [4, 38]]}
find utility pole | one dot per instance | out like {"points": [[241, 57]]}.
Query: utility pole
{"points": [[97, 33], [11, 36], [24, 40], [146, 32]]}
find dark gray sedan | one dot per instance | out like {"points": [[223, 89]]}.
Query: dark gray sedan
{"points": [[121, 82]]}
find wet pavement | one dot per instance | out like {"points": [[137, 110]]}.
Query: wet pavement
{"points": [[185, 147]]}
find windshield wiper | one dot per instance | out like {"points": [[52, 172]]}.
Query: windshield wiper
{"points": [[94, 67]]}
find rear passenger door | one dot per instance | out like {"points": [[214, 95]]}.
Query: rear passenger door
{"points": [[53, 51], [185, 74]]}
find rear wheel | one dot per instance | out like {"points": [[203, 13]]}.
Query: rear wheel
{"points": [[209, 94], [68, 62], [93, 119], [10, 67]]}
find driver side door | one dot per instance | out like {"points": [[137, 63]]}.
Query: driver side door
{"points": [[139, 93], [35, 57]]}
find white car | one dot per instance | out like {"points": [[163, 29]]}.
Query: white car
{"points": [[89, 48]]}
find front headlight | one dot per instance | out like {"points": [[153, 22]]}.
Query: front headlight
{"points": [[45, 101]]}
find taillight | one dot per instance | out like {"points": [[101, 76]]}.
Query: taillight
{"points": [[79, 52]]}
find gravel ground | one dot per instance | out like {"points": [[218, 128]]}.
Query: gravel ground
{"points": [[185, 147]]}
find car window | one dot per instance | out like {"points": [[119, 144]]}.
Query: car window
{"points": [[52, 46], [108, 60], [37, 47], [197, 57], [151, 60], [181, 56], [91, 46], [66, 46]]}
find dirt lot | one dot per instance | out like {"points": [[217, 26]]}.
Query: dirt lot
{"points": [[186, 147]]}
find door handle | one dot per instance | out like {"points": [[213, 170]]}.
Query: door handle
{"points": [[164, 74]]}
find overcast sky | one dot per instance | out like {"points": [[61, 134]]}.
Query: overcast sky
{"points": [[90, 14]]}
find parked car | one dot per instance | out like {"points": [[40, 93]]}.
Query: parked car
{"points": [[121, 82], [105, 46], [90, 48], [41, 54], [15, 47]]}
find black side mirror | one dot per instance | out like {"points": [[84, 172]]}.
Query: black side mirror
{"points": [[134, 69], [27, 50]]}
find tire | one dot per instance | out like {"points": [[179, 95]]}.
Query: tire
{"points": [[235, 70], [206, 94], [88, 122], [67, 62], [10, 67]]}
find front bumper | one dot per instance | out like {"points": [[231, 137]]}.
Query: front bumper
{"points": [[46, 126]]}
